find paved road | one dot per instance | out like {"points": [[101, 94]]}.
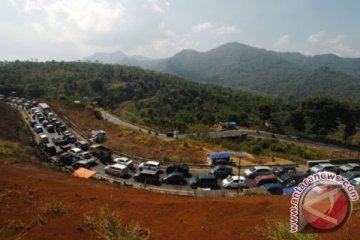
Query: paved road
{"points": [[221, 134]]}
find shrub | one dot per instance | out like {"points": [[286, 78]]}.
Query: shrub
{"points": [[98, 114], [55, 208], [281, 231], [107, 225]]}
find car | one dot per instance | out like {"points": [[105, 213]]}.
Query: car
{"points": [[117, 170], [355, 182], [82, 163], [349, 167], [45, 123], [50, 115], [291, 179], [83, 145], [41, 118], [61, 129], [50, 128], [64, 158], [260, 180], [33, 123], [175, 178], [350, 175], [149, 165], [75, 152], [323, 167], [50, 149], [56, 140], [87, 156], [64, 145], [57, 124], [71, 138], [38, 128], [257, 171], [52, 120], [125, 161], [234, 182], [273, 188], [147, 176], [43, 138], [176, 167], [280, 170], [221, 171], [204, 181]]}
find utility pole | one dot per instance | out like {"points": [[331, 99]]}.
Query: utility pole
{"points": [[239, 167]]}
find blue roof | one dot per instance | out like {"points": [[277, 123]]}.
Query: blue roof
{"points": [[219, 155]]}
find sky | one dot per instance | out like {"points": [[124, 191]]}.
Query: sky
{"points": [[74, 29]]}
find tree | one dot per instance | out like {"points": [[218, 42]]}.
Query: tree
{"points": [[350, 130], [297, 121]]}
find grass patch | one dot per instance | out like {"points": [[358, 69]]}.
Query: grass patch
{"points": [[55, 208], [107, 225], [281, 231], [12, 230]]}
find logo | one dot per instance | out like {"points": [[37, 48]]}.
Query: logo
{"points": [[322, 201]]}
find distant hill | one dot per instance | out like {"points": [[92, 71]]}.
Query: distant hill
{"points": [[241, 66], [110, 58]]}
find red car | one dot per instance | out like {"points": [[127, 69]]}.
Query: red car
{"points": [[260, 180]]}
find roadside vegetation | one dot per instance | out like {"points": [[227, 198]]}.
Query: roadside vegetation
{"points": [[280, 230], [108, 226]]}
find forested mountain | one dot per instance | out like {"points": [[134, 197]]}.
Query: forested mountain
{"points": [[288, 75], [170, 102]]}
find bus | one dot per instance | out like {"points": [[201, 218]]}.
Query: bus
{"points": [[44, 108]]}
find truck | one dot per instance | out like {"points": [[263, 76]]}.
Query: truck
{"points": [[102, 153]]}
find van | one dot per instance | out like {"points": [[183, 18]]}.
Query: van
{"points": [[221, 171], [204, 181], [83, 145], [147, 176], [75, 152], [117, 170]]}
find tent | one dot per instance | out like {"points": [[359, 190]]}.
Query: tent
{"points": [[84, 173]]}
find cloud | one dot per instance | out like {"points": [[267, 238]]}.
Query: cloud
{"points": [[282, 41], [202, 27], [159, 5], [316, 37], [224, 30], [321, 43]]}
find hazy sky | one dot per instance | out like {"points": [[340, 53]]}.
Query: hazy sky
{"points": [[74, 29]]}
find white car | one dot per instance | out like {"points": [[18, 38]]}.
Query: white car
{"points": [[87, 156], [257, 171], [234, 182], [322, 167], [124, 161], [75, 152], [117, 170], [150, 165], [355, 182], [43, 138]]}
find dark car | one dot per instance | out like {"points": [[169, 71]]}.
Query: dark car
{"points": [[52, 120], [71, 138], [83, 145], [57, 124], [147, 176], [64, 145], [291, 179], [64, 159], [83, 163], [182, 168], [33, 123], [50, 149], [50, 128], [273, 188], [56, 140], [61, 128], [45, 123], [41, 118], [221, 171], [175, 178], [38, 128], [280, 170], [350, 175], [204, 181]]}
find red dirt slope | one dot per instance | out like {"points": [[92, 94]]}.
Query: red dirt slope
{"points": [[25, 189]]}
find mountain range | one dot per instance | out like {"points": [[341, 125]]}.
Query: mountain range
{"points": [[236, 65]]}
